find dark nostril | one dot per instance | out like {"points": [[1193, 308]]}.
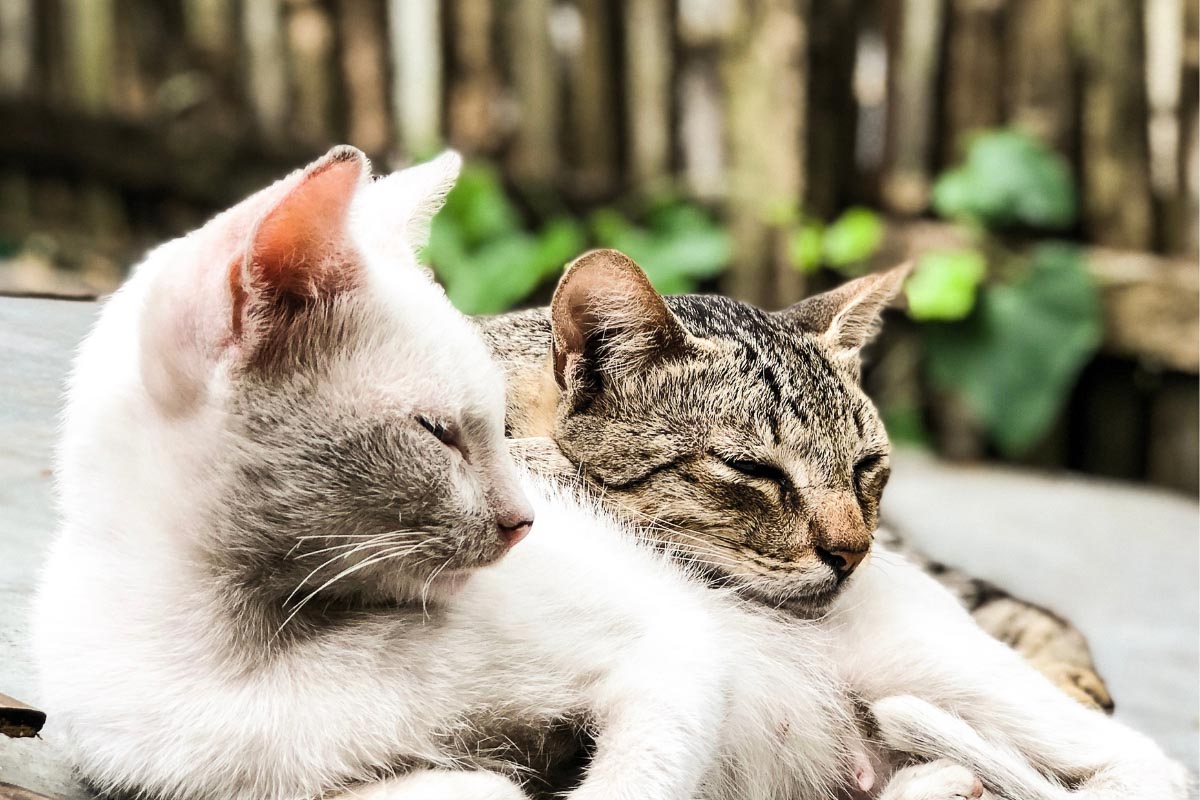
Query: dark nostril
{"points": [[511, 534], [843, 562]]}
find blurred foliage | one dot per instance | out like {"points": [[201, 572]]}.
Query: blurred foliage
{"points": [[843, 245], [1008, 331], [480, 252], [488, 262], [1011, 348], [679, 247], [1017, 357], [1008, 179]]}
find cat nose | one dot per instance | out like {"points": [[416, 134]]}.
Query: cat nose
{"points": [[843, 562], [513, 532]]}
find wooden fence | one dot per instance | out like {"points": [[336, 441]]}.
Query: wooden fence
{"points": [[111, 106], [122, 121]]}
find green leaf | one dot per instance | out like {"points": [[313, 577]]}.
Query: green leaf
{"points": [[1008, 178], [478, 206], [853, 237], [805, 247], [684, 247], [942, 287], [1016, 359]]}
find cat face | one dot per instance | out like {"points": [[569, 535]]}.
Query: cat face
{"points": [[742, 437], [347, 420]]}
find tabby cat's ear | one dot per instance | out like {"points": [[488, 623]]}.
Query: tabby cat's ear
{"points": [[607, 319], [848, 317], [299, 250]]}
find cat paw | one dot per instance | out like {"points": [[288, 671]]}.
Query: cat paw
{"points": [[936, 780], [1080, 683]]}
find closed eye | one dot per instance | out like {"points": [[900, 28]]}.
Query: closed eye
{"points": [[444, 434], [759, 470]]}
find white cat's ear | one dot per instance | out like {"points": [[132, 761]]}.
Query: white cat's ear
{"points": [[299, 251], [848, 317], [608, 319], [398, 208]]}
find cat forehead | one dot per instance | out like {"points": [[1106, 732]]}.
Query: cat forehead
{"points": [[762, 378]]}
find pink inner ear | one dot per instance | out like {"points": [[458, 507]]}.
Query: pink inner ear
{"points": [[299, 250]]}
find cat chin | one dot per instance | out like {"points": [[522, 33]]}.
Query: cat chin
{"points": [[807, 603]]}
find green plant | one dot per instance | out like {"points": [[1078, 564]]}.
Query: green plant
{"points": [[1008, 178], [679, 247], [844, 245], [1011, 348], [488, 262], [480, 252]]}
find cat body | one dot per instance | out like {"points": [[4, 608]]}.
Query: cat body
{"points": [[283, 569], [521, 341], [744, 441]]}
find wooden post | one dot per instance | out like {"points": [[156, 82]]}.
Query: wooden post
{"points": [[833, 112], [1187, 237], [703, 29], [476, 119], [974, 73], [415, 33], [912, 108], [763, 68], [17, 40], [534, 154], [648, 74], [364, 75], [310, 42], [266, 71], [91, 33], [592, 101], [1039, 78], [1117, 207]]}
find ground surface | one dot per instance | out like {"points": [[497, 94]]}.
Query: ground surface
{"points": [[1119, 561]]}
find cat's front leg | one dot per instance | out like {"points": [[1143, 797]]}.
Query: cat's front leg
{"points": [[438, 784], [659, 715], [900, 633], [935, 780]]}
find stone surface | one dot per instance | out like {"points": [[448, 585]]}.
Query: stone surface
{"points": [[1118, 560]]}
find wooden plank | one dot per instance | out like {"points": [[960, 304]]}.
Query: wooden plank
{"points": [[1117, 205], [476, 116], [648, 77], [365, 75], [915, 55], [1186, 235], [266, 66], [703, 28], [974, 73], [534, 156], [832, 110], [592, 100], [415, 42], [1039, 74], [310, 43], [763, 66], [17, 43], [10, 792]]}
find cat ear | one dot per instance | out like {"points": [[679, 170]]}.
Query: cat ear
{"points": [[299, 250], [848, 317], [397, 209], [606, 319]]}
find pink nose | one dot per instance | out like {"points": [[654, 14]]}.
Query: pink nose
{"points": [[513, 531]]}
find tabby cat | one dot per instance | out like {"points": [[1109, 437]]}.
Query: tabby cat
{"points": [[736, 451]]}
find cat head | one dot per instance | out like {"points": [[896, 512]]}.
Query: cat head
{"points": [[329, 419], [740, 436]]}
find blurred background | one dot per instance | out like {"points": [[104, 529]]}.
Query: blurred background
{"points": [[1037, 157]]}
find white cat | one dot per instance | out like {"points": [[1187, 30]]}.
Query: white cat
{"points": [[281, 474]]}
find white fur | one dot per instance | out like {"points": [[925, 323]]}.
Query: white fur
{"points": [[690, 693], [942, 688]]}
